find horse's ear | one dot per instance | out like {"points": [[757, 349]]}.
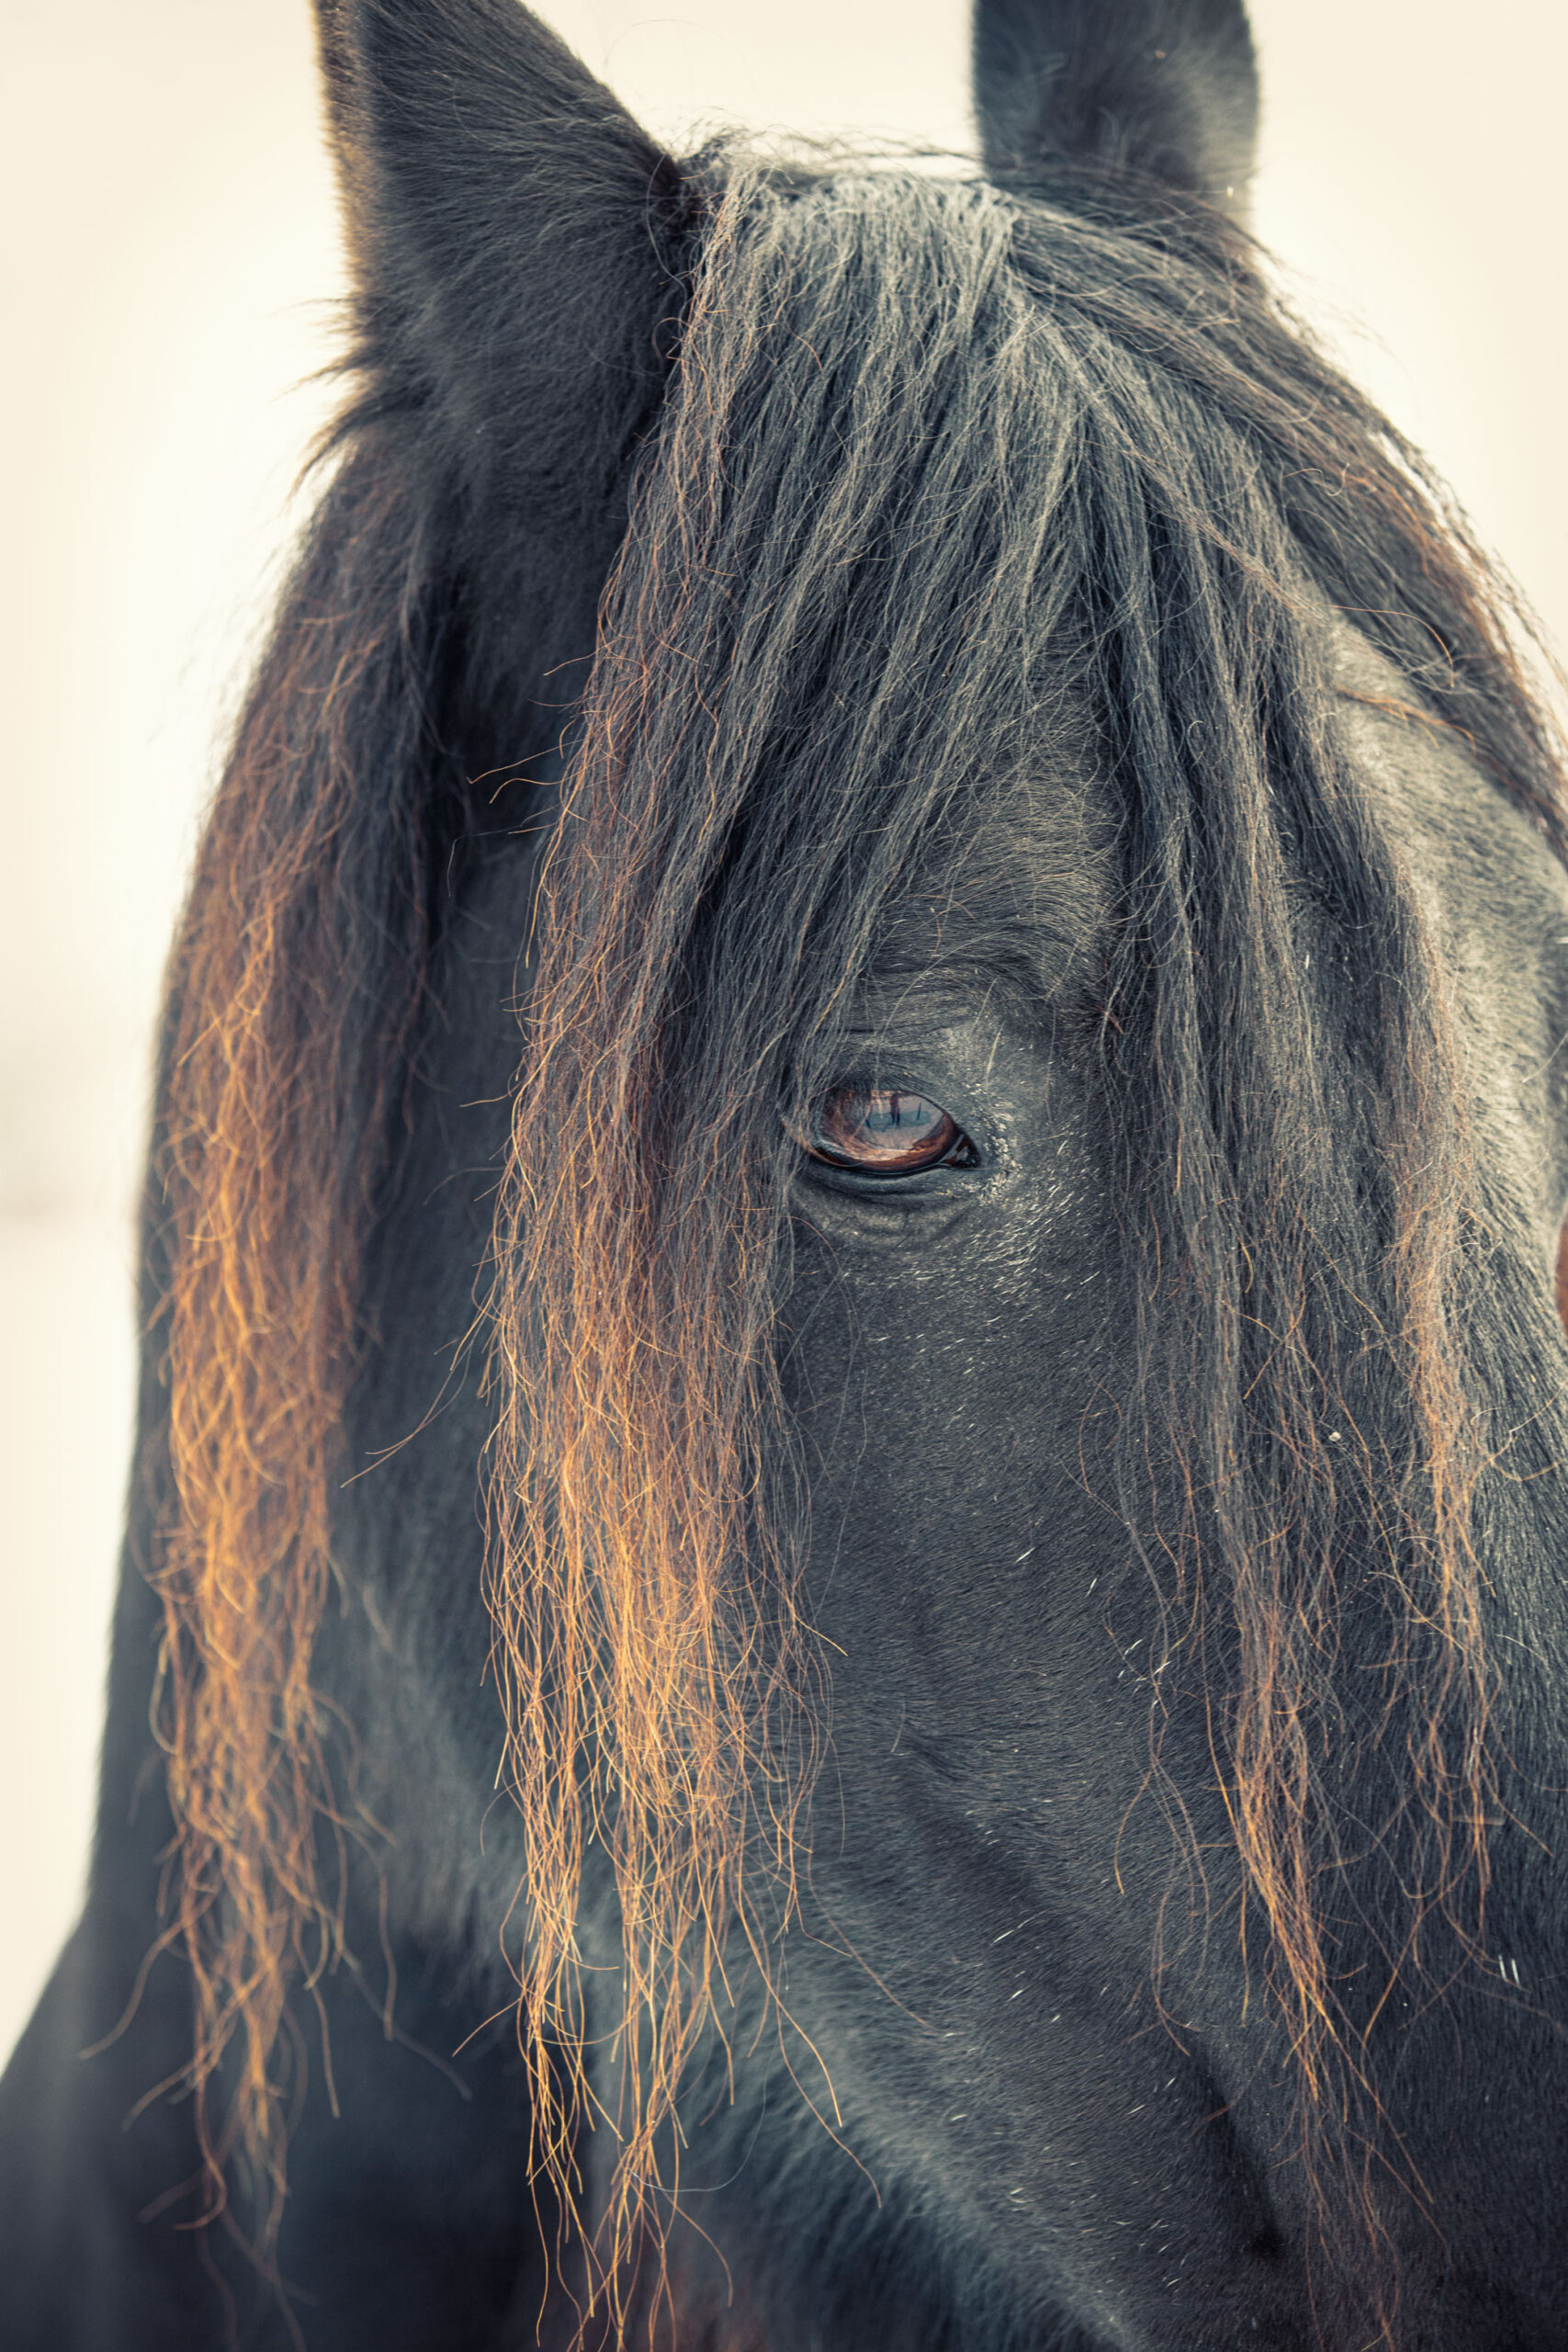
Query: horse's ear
{"points": [[1165, 89], [512, 232]]}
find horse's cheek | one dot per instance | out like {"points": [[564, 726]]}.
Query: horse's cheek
{"points": [[968, 1572], [982, 1830]]}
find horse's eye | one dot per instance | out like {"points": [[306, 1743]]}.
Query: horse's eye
{"points": [[883, 1131]]}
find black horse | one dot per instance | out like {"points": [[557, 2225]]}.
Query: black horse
{"points": [[842, 1622]]}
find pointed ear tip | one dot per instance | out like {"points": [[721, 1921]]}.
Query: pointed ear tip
{"points": [[1086, 80], [461, 78]]}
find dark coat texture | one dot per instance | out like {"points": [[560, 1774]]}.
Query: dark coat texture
{"points": [[841, 1621]]}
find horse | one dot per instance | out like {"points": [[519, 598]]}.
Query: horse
{"points": [[839, 1617]]}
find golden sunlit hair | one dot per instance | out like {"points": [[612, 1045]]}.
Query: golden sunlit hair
{"points": [[926, 455], [286, 1048]]}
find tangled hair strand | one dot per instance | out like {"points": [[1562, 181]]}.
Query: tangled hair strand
{"points": [[936, 457]]}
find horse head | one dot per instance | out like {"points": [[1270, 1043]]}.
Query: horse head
{"points": [[855, 1398]]}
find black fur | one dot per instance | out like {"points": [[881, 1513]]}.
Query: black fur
{"points": [[1165, 91], [1033, 633]]}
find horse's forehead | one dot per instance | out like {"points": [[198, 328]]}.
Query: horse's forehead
{"points": [[1018, 881], [1489, 880], [1495, 895]]}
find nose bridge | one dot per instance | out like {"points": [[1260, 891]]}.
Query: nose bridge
{"points": [[1421, 2209], [1454, 2168], [1420, 2185], [1479, 2236], [1445, 1949]]}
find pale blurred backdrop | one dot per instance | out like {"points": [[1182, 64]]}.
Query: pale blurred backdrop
{"points": [[173, 265]]}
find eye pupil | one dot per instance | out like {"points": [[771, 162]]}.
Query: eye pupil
{"points": [[887, 1131]]}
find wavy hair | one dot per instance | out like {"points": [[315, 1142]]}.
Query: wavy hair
{"points": [[933, 456]]}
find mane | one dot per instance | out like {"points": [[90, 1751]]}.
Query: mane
{"points": [[933, 456], [294, 992]]}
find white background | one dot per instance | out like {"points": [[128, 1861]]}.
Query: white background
{"points": [[171, 259]]}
